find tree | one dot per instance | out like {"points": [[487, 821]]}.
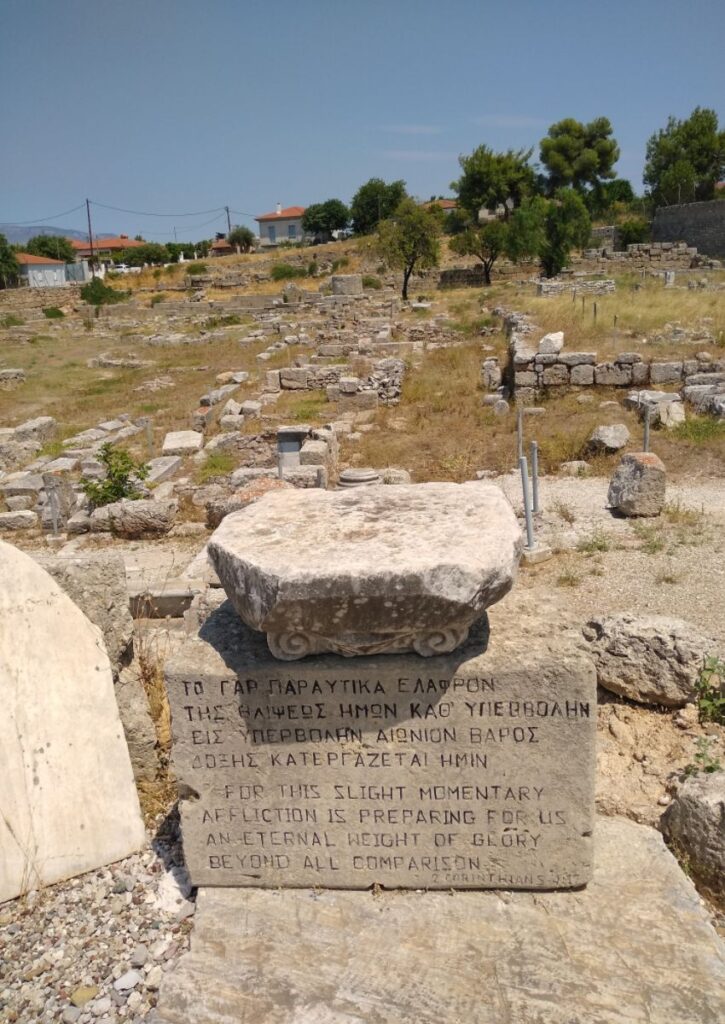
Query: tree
{"points": [[321, 219], [549, 229], [9, 266], [242, 237], [492, 179], [578, 154], [410, 239], [149, 252], [486, 243], [123, 474], [53, 247], [686, 159], [375, 201], [98, 293]]}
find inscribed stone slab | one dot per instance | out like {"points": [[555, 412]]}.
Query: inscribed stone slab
{"points": [[473, 769]]}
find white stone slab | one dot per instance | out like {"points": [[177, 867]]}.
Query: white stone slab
{"points": [[67, 797], [182, 442]]}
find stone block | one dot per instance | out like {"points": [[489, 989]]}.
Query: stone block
{"points": [[67, 779], [628, 358], [231, 422], [399, 746], [144, 518], [272, 381], [251, 408], [582, 374], [401, 547], [640, 374], [609, 438], [637, 487], [525, 378], [182, 442], [578, 358], [555, 376], [22, 520], [693, 826], [552, 343], [612, 374], [202, 417], [294, 378], [665, 373], [346, 284], [217, 395], [162, 468]]}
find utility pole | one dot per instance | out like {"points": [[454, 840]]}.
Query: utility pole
{"points": [[229, 223], [90, 238]]}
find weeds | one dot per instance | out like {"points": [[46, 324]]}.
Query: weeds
{"points": [[196, 269], [227, 320], [704, 760], [597, 542], [122, 476], [218, 464], [568, 578], [53, 313], [710, 691], [565, 512], [667, 577], [286, 272], [651, 540], [371, 282], [700, 430], [10, 320]]}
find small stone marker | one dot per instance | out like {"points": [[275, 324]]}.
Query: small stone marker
{"points": [[470, 770], [638, 485]]}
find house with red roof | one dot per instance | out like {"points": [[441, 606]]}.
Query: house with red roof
{"points": [[103, 248], [282, 225], [41, 271]]}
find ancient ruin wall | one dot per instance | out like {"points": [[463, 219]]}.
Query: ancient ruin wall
{"points": [[700, 224]]}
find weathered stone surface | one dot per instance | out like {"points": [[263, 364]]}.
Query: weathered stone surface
{"points": [[652, 659], [218, 508], [369, 570], [555, 376], [582, 375], [612, 374], [694, 826], [97, 584], [346, 284], [68, 799], [359, 769], [163, 468], [21, 520], [143, 518], [634, 947], [665, 373], [182, 442], [138, 726], [609, 438], [552, 343], [638, 485]]}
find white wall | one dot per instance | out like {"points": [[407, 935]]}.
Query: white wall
{"points": [[281, 226]]}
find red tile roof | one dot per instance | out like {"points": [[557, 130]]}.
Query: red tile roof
{"points": [[288, 213], [26, 259], [122, 242], [445, 204], [221, 243]]}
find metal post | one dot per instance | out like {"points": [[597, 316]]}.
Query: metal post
{"points": [[647, 414], [535, 477], [594, 308], [527, 508], [520, 432], [279, 465], [149, 437], [53, 499]]}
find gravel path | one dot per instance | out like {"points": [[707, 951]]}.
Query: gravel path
{"points": [[94, 948]]}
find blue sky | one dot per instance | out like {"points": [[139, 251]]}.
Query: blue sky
{"points": [[182, 107]]}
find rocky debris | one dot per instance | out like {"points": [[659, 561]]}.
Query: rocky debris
{"points": [[346, 284], [577, 467], [292, 562], [96, 583], [18, 445], [638, 485], [128, 362], [386, 380], [65, 762], [12, 521], [651, 659], [551, 344], [72, 942], [144, 518], [218, 508], [609, 438], [11, 377], [694, 826], [665, 407]]}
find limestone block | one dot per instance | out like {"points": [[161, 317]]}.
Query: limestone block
{"points": [[182, 442], [251, 408], [346, 284], [96, 583], [640, 374], [370, 570], [349, 385], [294, 378], [552, 343], [390, 763], [612, 374], [217, 395], [476, 958], [21, 520], [231, 422], [693, 826], [272, 381], [314, 453], [665, 373], [582, 374], [578, 358], [30, 484], [628, 358], [202, 417], [525, 378], [555, 376], [638, 484], [652, 659], [42, 428], [609, 438], [144, 518], [69, 804], [162, 468]]}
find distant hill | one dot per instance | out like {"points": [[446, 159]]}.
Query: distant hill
{"points": [[19, 236]]}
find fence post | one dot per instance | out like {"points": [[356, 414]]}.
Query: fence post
{"points": [[527, 508], [535, 477], [647, 414], [520, 431]]}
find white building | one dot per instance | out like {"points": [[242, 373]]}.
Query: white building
{"points": [[41, 271], [281, 226]]}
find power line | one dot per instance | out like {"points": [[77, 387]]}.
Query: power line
{"points": [[141, 213], [191, 227], [41, 220]]}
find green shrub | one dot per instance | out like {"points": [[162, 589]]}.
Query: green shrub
{"points": [[10, 320], [227, 320], [96, 293], [286, 272], [156, 299], [195, 269], [122, 476], [710, 691], [636, 229], [370, 281], [339, 264], [53, 313]]}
